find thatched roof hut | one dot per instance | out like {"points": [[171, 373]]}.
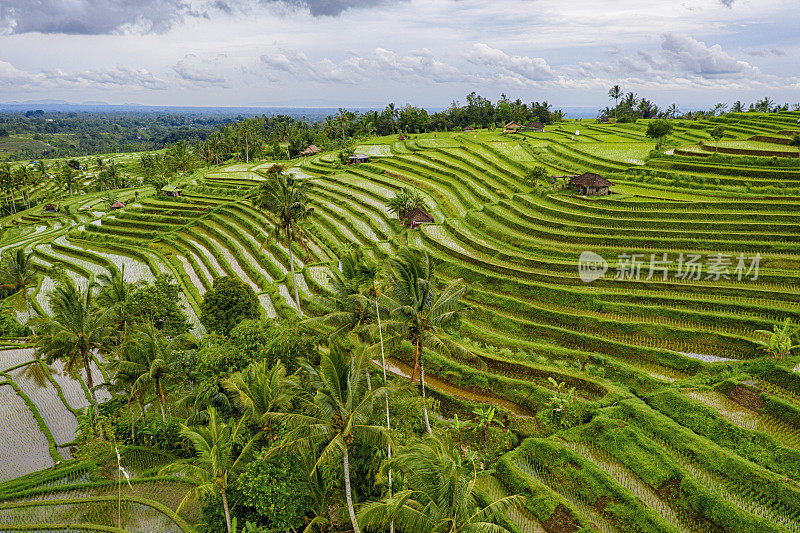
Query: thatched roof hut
{"points": [[418, 216], [311, 150], [591, 184], [512, 127]]}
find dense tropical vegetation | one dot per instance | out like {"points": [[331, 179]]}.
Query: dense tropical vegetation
{"points": [[275, 347]]}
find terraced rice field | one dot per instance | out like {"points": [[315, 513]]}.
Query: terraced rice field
{"points": [[644, 352]]}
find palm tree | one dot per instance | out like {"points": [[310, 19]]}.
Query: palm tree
{"points": [[285, 198], [355, 288], [418, 312], [781, 339], [76, 330], [6, 179], [17, 273], [113, 292], [23, 179], [337, 415], [149, 356], [673, 110], [442, 494], [260, 390], [217, 463], [347, 309], [615, 92], [68, 176]]}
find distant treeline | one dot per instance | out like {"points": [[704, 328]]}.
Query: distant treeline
{"points": [[76, 134], [282, 137], [69, 134]]}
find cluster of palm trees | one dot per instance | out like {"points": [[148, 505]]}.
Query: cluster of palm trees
{"points": [[17, 182], [318, 414]]}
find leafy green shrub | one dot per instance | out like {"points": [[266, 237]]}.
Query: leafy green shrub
{"points": [[270, 487], [229, 301]]}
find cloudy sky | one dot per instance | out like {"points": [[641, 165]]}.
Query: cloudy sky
{"points": [[332, 53]]}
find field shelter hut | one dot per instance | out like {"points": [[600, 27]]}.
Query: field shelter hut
{"points": [[311, 150], [590, 184], [468, 128], [418, 216], [117, 205], [358, 158], [171, 190], [401, 138], [512, 127], [534, 126], [51, 208]]}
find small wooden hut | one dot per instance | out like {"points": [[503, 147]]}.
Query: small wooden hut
{"points": [[591, 184], [418, 216], [469, 128], [311, 150], [117, 205], [358, 158], [51, 208], [512, 127], [171, 190], [534, 126]]}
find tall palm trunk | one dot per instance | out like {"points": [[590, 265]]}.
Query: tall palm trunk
{"points": [[133, 420], [294, 280], [87, 366], [424, 401], [14, 200], [348, 492], [385, 384], [227, 512], [161, 400]]}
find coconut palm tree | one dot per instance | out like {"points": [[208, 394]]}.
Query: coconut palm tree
{"points": [[442, 494], [284, 199], [419, 312], [260, 390], [337, 415], [781, 339], [149, 356], [23, 178], [222, 453], [615, 92], [76, 331], [113, 292], [673, 110], [6, 178], [17, 273]]}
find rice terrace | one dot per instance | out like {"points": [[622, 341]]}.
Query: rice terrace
{"points": [[408, 266]]}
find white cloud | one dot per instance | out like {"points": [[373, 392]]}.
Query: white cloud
{"points": [[689, 55], [196, 71], [417, 65], [519, 70], [107, 78]]}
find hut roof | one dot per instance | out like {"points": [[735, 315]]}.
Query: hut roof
{"points": [[534, 125], [50, 207], [590, 180], [312, 149], [469, 128], [170, 188], [117, 205], [512, 125], [420, 216], [401, 138], [359, 156]]}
